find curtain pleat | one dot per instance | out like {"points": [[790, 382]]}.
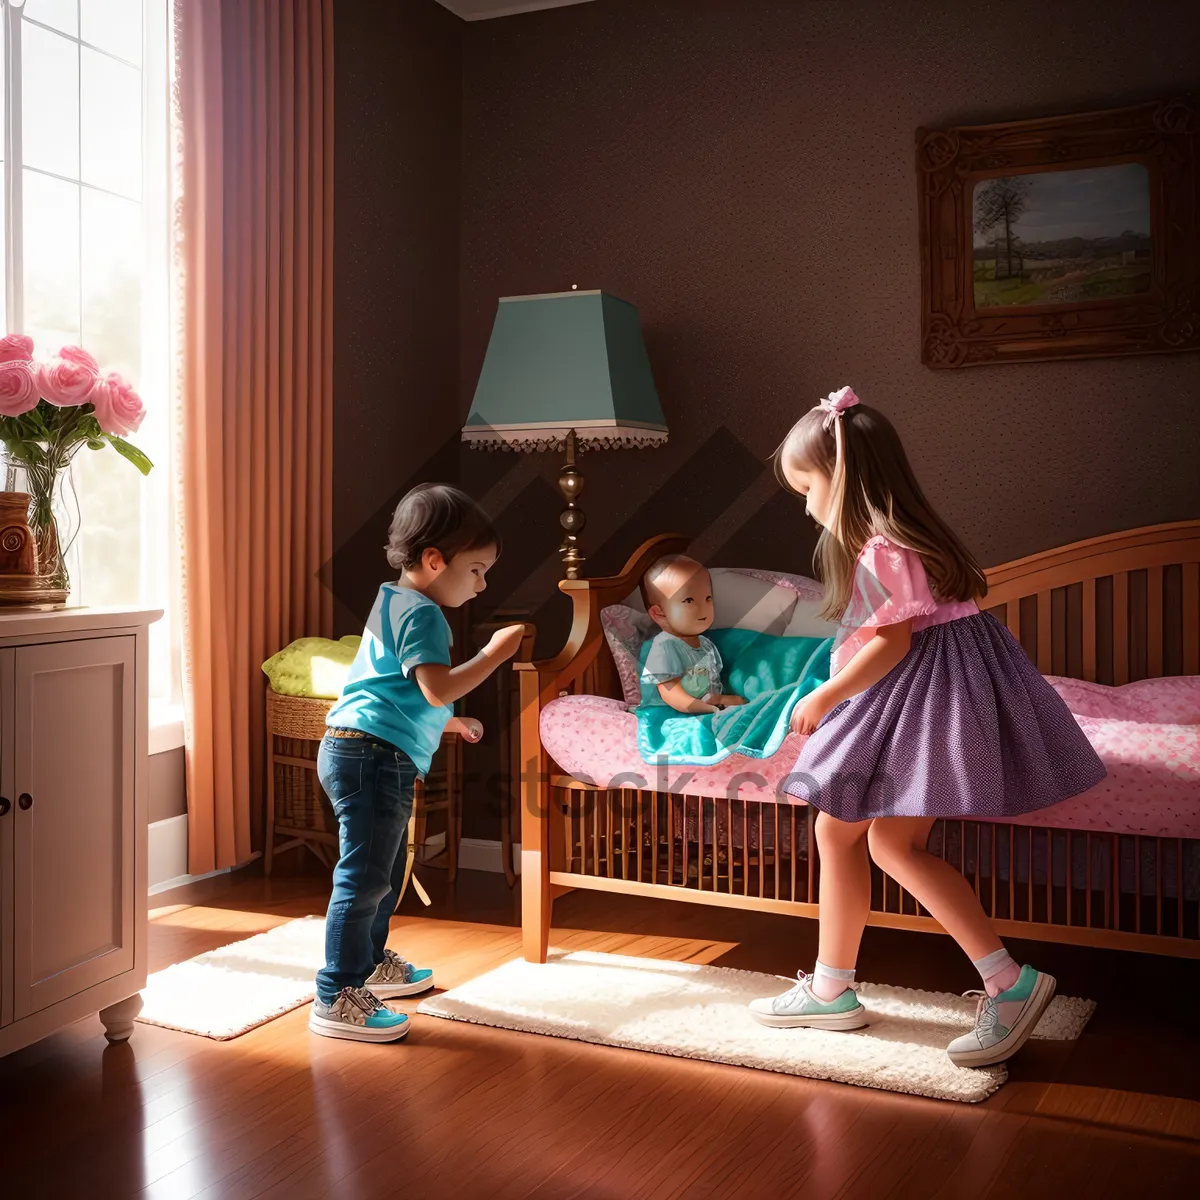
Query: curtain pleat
{"points": [[254, 92]]}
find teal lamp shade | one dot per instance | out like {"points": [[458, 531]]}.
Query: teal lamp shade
{"points": [[571, 361]]}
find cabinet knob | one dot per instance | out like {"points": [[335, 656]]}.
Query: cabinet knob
{"points": [[5, 805], [25, 800]]}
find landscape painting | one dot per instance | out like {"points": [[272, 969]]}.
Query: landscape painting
{"points": [[1061, 237]]}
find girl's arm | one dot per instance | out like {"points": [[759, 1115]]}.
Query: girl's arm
{"points": [[677, 696], [885, 650], [442, 685]]}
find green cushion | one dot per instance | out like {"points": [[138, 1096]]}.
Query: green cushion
{"points": [[312, 666]]}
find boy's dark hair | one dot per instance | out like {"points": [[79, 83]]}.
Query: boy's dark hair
{"points": [[435, 515]]}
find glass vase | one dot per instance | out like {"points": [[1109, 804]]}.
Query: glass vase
{"points": [[54, 519]]}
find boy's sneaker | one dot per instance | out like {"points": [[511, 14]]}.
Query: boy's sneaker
{"points": [[397, 977], [359, 1016], [1003, 1022], [798, 1008]]}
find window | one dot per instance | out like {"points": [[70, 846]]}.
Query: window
{"points": [[85, 207]]}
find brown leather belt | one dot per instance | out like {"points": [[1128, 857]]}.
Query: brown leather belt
{"points": [[344, 733]]}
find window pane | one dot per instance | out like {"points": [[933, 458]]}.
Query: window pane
{"points": [[62, 14], [50, 101], [112, 124], [115, 26], [110, 540], [51, 249], [3, 261], [112, 282]]}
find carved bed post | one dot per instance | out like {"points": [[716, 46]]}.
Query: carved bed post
{"points": [[536, 901]]}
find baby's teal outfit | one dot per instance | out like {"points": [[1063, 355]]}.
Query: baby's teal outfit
{"points": [[698, 668], [381, 696]]}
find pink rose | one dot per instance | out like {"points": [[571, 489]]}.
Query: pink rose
{"points": [[119, 408], [16, 347], [18, 387], [68, 379], [78, 355]]}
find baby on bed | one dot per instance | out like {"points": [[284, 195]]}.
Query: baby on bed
{"points": [[683, 667]]}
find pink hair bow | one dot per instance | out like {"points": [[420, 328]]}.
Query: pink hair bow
{"points": [[833, 406], [836, 403]]}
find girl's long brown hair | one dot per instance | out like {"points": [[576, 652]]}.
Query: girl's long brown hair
{"points": [[873, 491]]}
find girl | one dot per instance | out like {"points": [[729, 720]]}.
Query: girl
{"points": [[381, 734], [932, 710]]}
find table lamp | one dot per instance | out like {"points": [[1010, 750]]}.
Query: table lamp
{"points": [[566, 371]]}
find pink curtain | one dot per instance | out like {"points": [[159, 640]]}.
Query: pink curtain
{"points": [[254, 220]]}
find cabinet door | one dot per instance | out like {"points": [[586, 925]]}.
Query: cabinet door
{"points": [[74, 833], [8, 809]]}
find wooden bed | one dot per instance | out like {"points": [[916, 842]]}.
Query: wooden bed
{"points": [[1110, 610]]}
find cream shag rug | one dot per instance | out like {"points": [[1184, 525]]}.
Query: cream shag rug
{"points": [[695, 1011], [235, 988]]}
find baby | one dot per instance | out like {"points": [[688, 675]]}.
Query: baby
{"points": [[683, 667]]}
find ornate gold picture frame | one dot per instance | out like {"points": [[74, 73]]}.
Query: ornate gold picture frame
{"points": [[1063, 237]]}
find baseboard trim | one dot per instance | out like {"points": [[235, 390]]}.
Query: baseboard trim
{"points": [[167, 854], [483, 854], [167, 846]]}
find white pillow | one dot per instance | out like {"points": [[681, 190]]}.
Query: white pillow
{"points": [[806, 621], [744, 601]]}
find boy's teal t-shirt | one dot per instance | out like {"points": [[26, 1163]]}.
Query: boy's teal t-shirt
{"points": [[381, 696]]}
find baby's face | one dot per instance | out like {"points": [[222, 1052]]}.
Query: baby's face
{"points": [[685, 606]]}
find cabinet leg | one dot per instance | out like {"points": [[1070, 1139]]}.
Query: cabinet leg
{"points": [[118, 1018]]}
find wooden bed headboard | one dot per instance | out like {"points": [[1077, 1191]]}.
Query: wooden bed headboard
{"points": [[1109, 609]]}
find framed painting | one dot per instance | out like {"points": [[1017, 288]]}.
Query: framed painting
{"points": [[1065, 237]]}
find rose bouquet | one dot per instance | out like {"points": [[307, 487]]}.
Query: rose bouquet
{"points": [[49, 410]]}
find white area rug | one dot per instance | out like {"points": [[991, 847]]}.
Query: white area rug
{"points": [[230, 991], [695, 1011]]}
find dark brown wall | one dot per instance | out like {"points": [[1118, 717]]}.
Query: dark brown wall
{"points": [[742, 170], [398, 112], [744, 173]]}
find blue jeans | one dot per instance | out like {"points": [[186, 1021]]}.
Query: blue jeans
{"points": [[370, 785]]}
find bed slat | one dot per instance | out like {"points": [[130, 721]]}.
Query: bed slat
{"points": [[1191, 618], [1089, 630], [1044, 660], [1154, 622], [1121, 628]]}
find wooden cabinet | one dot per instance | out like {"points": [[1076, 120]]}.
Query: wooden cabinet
{"points": [[73, 747]]}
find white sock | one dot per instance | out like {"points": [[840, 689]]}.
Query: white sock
{"points": [[998, 970], [828, 983]]}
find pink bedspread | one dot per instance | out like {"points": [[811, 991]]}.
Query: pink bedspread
{"points": [[1147, 733]]}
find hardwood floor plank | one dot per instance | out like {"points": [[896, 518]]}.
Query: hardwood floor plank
{"points": [[463, 1110]]}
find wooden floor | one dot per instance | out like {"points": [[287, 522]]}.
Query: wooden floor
{"points": [[464, 1111]]}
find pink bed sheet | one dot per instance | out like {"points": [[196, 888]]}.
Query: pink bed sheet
{"points": [[1147, 733]]}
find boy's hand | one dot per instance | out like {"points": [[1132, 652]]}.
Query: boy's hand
{"points": [[467, 727], [504, 643]]}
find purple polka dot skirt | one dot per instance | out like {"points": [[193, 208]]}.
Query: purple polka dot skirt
{"points": [[964, 726]]}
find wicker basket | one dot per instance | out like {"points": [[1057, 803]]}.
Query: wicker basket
{"points": [[299, 813], [295, 727], [297, 716]]}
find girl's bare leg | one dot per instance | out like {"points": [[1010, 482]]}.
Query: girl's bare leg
{"points": [[845, 889], [897, 844]]}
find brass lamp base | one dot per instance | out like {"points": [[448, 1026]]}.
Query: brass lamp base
{"points": [[572, 519]]}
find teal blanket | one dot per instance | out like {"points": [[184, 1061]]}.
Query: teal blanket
{"points": [[773, 673]]}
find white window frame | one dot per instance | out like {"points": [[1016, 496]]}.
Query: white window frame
{"points": [[157, 569]]}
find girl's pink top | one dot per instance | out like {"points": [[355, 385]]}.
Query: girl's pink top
{"points": [[890, 586]]}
